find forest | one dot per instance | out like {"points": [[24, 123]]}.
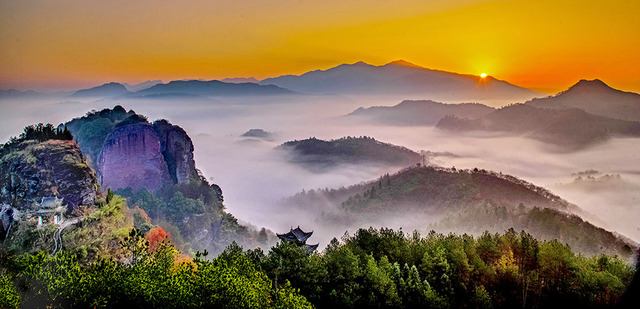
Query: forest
{"points": [[373, 268]]}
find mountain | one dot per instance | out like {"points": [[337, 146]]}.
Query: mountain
{"points": [[465, 201], [214, 88], [128, 151], [595, 97], [318, 155], [106, 90], [569, 128], [399, 78], [31, 170], [151, 168], [420, 113], [143, 85], [240, 80]]}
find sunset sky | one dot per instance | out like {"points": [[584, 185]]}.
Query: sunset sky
{"points": [[542, 44]]}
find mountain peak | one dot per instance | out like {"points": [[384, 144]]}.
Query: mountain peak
{"points": [[403, 63], [589, 85], [108, 89]]}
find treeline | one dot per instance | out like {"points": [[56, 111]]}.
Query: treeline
{"points": [[388, 269], [146, 278], [40, 132], [371, 269]]}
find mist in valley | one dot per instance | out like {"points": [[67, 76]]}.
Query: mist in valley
{"points": [[255, 178]]}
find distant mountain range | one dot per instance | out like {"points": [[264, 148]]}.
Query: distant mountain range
{"points": [[399, 78], [420, 113], [14, 94], [319, 155], [191, 89], [215, 88], [586, 113], [595, 97], [569, 128], [240, 80]]}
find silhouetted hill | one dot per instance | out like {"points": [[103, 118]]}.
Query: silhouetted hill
{"points": [[317, 154], [214, 88], [259, 133], [398, 77], [595, 97], [106, 90], [569, 128], [424, 112]]}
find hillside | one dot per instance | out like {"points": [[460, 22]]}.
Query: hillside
{"points": [[316, 154], [398, 77], [594, 97], [32, 170], [462, 201], [419, 113], [568, 128], [438, 190]]}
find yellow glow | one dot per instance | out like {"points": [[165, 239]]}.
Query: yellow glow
{"points": [[483, 75], [541, 44]]}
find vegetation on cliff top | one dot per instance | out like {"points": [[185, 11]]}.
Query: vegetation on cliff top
{"points": [[40, 132]]}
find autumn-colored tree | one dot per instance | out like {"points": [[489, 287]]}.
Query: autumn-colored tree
{"points": [[155, 236]]}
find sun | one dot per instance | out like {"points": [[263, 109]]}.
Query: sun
{"points": [[483, 75]]}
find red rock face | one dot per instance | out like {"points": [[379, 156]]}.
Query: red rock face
{"points": [[132, 157], [177, 149]]}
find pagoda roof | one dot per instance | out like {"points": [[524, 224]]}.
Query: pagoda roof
{"points": [[296, 235], [311, 248]]}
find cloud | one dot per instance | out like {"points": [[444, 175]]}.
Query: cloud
{"points": [[254, 178]]}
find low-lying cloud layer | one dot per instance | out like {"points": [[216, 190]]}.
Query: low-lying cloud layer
{"points": [[255, 178]]}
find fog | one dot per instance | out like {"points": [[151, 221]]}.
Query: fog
{"points": [[255, 178]]}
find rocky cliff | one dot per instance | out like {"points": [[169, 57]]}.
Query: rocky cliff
{"points": [[132, 156], [128, 151], [43, 169], [177, 150]]}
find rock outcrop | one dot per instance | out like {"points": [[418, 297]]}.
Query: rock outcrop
{"points": [[126, 150], [177, 150], [132, 156], [34, 170]]}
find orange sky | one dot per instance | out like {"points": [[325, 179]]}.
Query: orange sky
{"points": [[542, 44]]}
